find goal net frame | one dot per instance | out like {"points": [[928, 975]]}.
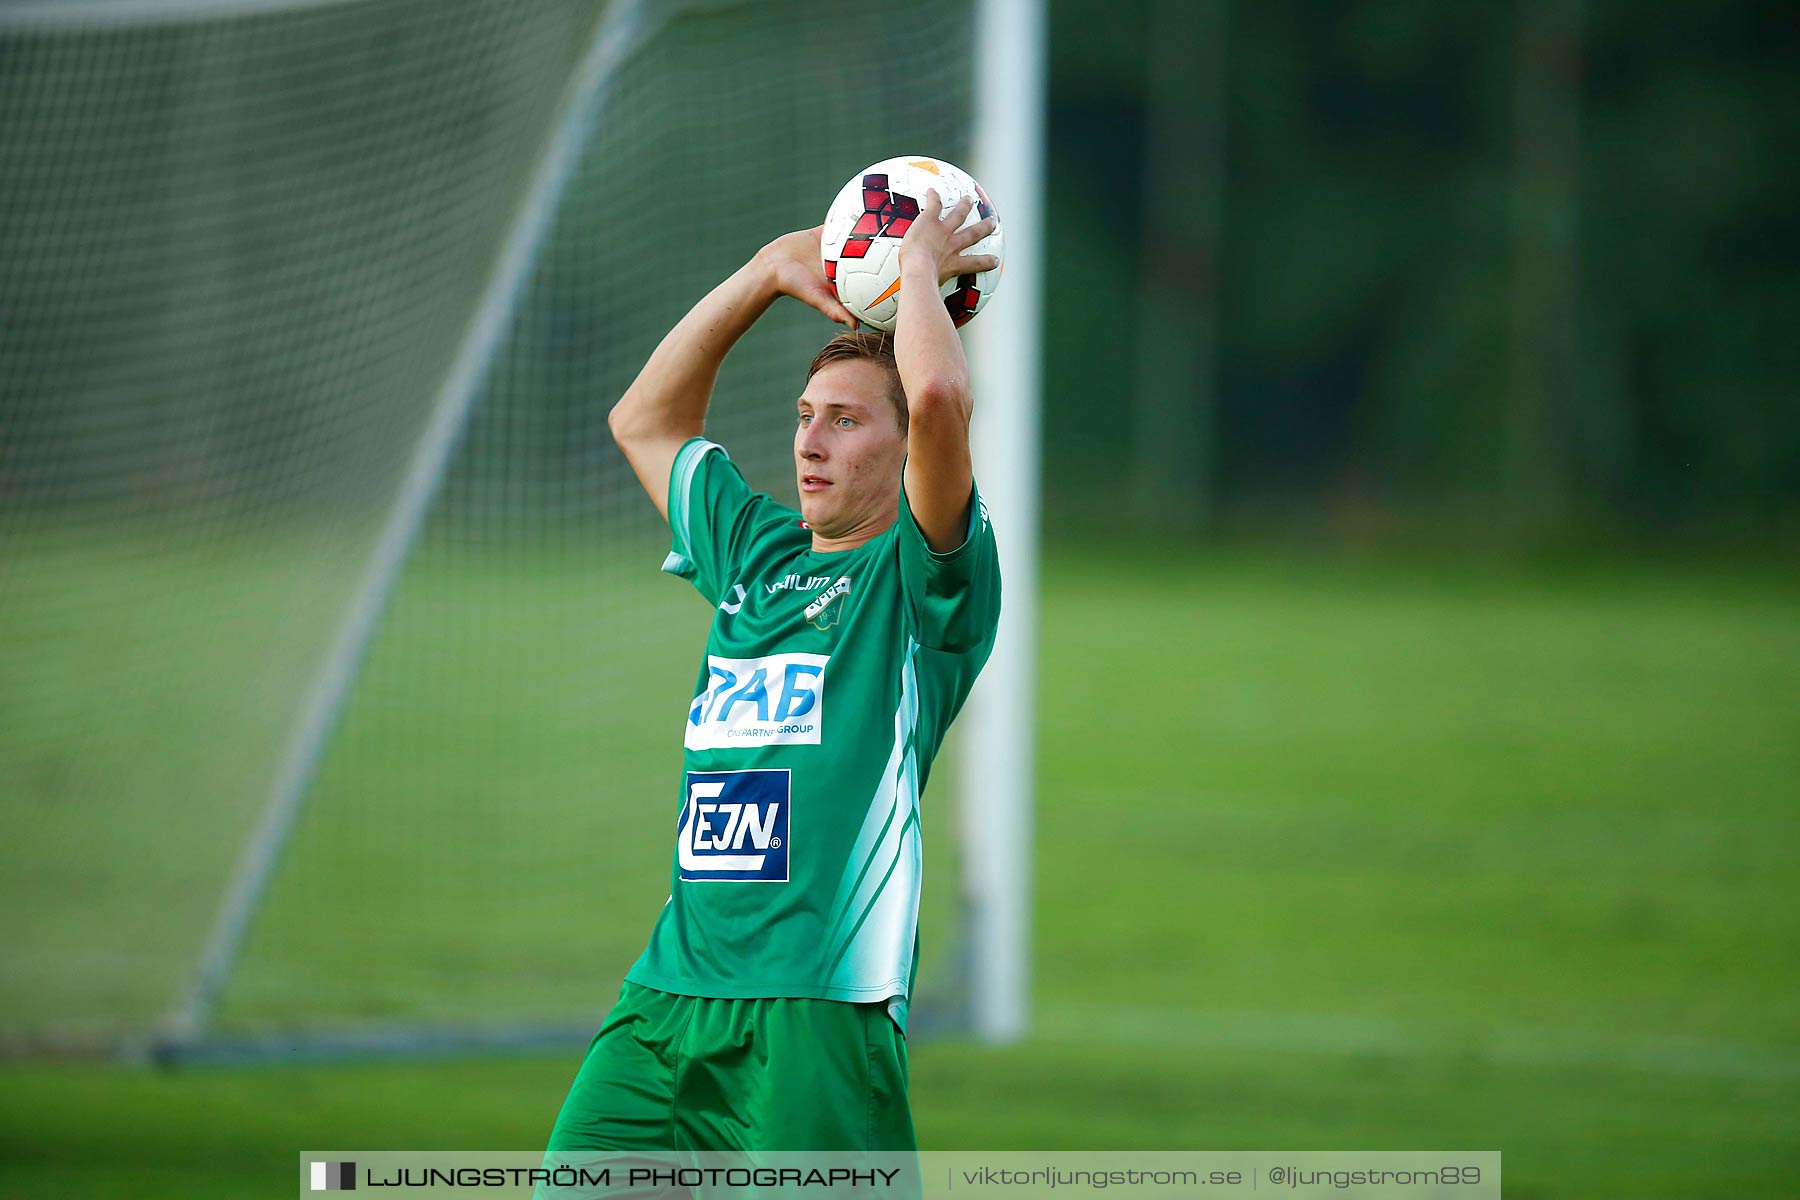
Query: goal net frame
{"points": [[995, 729]]}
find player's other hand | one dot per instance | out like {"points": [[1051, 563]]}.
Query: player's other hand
{"points": [[936, 236], [796, 269]]}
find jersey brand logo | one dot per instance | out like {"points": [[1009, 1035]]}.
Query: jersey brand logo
{"points": [[804, 583], [734, 827], [828, 606], [778, 700]]}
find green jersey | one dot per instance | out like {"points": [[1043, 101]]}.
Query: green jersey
{"points": [[828, 682]]}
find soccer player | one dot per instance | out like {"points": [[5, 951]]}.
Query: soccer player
{"points": [[769, 1010]]}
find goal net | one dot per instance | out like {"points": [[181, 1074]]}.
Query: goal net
{"points": [[336, 671]]}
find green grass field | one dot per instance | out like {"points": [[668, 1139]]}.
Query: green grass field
{"points": [[1330, 853]]}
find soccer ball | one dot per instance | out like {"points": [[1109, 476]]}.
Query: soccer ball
{"points": [[861, 240]]}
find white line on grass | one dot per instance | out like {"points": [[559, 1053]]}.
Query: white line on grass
{"points": [[1323, 1033]]}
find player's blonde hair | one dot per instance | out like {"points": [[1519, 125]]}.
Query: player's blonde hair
{"points": [[865, 346]]}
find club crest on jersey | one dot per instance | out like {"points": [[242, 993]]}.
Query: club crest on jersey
{"points": [[778, 700], [734, 827], [828, 606]]}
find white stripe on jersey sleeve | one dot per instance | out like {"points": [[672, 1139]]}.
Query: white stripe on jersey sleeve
{"points": [[687, 463]]}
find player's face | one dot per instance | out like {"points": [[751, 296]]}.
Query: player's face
{"points": [[848, 451]]}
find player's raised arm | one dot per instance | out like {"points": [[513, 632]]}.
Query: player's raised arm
{"points": [[666, 404], [939, 477]]}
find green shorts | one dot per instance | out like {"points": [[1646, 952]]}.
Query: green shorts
{"points": [[670, 1072]]}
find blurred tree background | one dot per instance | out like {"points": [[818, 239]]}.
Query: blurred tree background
{"points": [[1375, 269], [1390, 267]]}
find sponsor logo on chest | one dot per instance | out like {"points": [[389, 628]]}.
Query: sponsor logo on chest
{"points": [[734, 827], [776, 700]]}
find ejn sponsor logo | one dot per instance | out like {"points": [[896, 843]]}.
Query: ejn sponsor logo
{"points": [[334, 1177], [734, 826]]}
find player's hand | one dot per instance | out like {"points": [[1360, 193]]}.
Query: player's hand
{"points": [[936, 237], [796, 269]]}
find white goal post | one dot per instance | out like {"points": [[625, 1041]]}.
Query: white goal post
{"points": [[997, 763]]}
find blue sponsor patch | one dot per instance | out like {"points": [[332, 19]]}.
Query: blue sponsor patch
{"points": [[734, 826], [778, 700]]}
